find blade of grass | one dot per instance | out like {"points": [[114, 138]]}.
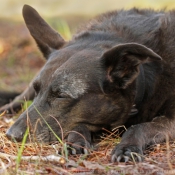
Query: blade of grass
{"points": [[20, 151]]}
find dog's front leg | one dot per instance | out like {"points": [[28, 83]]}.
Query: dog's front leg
{"points": [[16, 104], [137, 137]]}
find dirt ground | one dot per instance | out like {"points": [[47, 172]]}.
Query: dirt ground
{"points": [[19, 57]]}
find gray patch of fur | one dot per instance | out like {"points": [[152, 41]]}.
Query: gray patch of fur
{"points": [[71, 84]]}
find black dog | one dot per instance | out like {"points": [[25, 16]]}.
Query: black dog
{"points": [[117, 70]]}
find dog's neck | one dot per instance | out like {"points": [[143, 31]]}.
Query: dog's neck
{"points": [[140, 91]]}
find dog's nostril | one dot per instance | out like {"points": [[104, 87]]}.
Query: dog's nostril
{"points": [[14, 136]]}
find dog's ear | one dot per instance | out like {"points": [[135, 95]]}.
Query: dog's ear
{"points": [[122, 62], [46, 38]]}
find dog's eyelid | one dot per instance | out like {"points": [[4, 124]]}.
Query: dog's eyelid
{"points": [[63, 95], [57, 93]]}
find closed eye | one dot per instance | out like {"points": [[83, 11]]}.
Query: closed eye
{"points": [[62, 95], [56, 93]]}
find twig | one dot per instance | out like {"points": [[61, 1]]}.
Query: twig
{"points": [[2, 113], [50, 158]]}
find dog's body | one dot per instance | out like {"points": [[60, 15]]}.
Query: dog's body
{"points": [[110, 74]]}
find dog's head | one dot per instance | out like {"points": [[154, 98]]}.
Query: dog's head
{"points": [[82, 82]]}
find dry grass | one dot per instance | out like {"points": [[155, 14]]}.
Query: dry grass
{"points": [[40, 158]]}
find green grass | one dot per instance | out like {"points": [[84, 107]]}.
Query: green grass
{"points": [[62, 27], [20, 151]]}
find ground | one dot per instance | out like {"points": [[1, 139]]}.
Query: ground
{"points": [[19, 62]]}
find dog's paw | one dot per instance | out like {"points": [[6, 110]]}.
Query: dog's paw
{"points": [[125, 153], [79, 140], [81, 147]]}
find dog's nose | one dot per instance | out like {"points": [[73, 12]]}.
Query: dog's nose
{"points": [[14, 135]]}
